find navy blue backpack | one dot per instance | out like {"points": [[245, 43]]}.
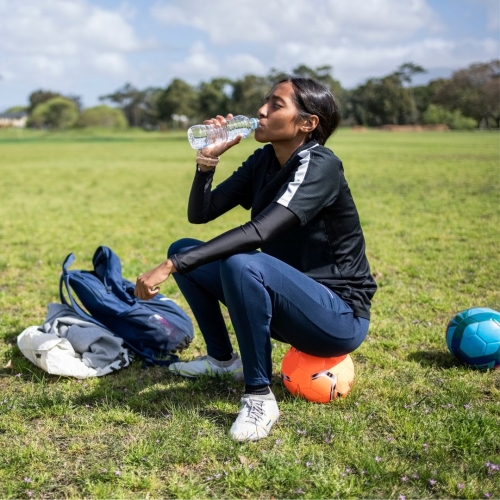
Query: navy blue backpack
{"points": [[154, 329]]}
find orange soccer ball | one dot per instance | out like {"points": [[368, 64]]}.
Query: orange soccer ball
{"points": [[319, 380]]}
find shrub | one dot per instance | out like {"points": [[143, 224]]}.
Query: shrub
{"points": [[57, 112], [17, 109], [102, 116], [435, 115]]}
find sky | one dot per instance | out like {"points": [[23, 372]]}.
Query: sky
{"points": [[91, 48]]}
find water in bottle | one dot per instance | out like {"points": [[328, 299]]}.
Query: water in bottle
{"points": [[201, 136]]}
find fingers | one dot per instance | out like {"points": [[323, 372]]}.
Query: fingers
{"points": [[218, 149], [144, 291], [148, 284], [218, 121], [235, 141]]}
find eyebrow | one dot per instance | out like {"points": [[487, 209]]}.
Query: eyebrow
{"points": [[275, 98]]}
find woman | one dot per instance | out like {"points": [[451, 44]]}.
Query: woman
{"points": [[310, 285]]}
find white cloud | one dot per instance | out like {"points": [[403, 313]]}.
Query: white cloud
{"points": [[89, 47], [242, 64], [354, 63], [202, 64], [199, 64], [311, 21], [110, 62], [358, 38], [61, 38]]}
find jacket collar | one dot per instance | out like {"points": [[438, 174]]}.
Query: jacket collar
{"points": [[294, 155]]}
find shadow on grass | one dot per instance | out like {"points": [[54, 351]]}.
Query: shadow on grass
{"points": [[134, 392], [153, 392], [434, 359]]}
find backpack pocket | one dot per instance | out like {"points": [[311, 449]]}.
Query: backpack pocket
{"points": [[155, 330]]}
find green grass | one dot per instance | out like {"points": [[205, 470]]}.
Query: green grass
{"points": [[416, 423]]}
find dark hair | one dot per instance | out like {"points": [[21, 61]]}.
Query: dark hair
{"points": [[314, 98]]}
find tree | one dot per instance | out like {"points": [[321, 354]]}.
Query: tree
{"points": [[406, 72], [248, 94], [436, 115], [149, 106], [40, 96], [214, 97], [424, 95], [76, 99], [17, 109], [179, 98], [382, 101], [474, 91], [130, 100], [56, 113], [102, 116], [386, 100]]}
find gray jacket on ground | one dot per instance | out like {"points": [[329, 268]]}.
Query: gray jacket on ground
{"points": [[97, 346]]}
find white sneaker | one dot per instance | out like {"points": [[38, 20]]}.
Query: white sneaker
{"points": [[207, 365], [257, 415]]}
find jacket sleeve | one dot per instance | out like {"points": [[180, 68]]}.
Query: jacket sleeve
{"points": [[206, 204], [266, 226]]}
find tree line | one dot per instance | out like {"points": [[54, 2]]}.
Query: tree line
{"points": [[470, 98]]}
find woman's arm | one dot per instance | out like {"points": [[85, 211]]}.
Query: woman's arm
{"points": [[206, 204], [202, 205], [272, 221], [148, 284]]}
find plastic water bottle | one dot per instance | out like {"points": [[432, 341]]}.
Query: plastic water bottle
{"points": [[201, 136], [175, 337]]}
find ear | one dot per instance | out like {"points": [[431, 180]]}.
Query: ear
{"points": [[310, 124]]}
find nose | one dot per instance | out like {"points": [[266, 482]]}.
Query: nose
{"points": [[261, 112]]}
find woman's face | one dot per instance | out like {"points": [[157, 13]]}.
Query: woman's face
{"points": [[278, 116]]}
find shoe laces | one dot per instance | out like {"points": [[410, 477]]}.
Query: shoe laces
{"points": [[255, 410]]}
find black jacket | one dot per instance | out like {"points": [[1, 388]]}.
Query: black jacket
{"points": [[302, 214]]}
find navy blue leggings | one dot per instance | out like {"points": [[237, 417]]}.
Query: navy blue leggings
{"points": [[266, 298]]}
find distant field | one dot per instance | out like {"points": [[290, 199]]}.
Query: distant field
{"points": [[416, 424]]}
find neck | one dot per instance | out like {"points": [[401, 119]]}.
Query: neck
{"points": [[284, 150]]}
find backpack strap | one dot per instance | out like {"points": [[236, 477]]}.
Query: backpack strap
{"points": [[64, 281]]}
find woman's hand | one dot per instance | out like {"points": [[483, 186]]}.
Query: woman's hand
{"points": [[147, 285], [219, 149]]}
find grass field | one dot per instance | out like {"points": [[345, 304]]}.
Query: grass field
{"points": [[416, 424]]}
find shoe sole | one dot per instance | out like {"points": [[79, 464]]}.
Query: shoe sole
{"points": [[235, 376]]}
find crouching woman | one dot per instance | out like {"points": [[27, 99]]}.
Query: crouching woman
{"points": [[309, 285]]}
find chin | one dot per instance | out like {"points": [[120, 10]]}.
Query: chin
{"points": [[261, 137]]}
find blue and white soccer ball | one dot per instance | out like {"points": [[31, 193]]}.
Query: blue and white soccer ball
{"points": [[473, 337]]}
